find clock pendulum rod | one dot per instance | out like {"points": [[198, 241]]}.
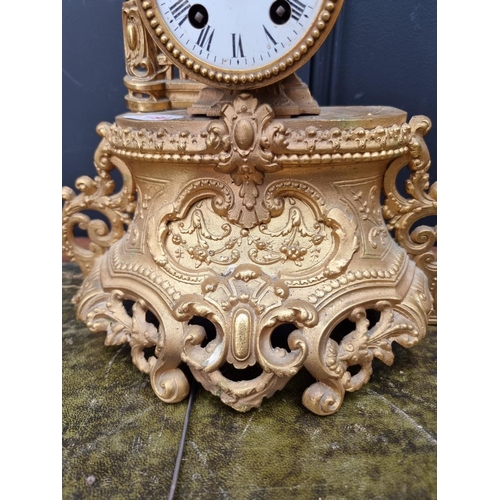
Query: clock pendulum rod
{"points": [[182, 442]]}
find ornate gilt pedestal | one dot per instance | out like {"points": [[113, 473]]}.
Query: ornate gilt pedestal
{"points": [[248, 247]]}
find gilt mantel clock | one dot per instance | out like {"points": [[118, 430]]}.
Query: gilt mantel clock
{"points": [[248, 239]]}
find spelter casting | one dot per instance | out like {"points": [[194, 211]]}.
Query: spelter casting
{"points": [[249, 247]]}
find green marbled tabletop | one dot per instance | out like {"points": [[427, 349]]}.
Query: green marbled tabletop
{"points": [[120, 441]]}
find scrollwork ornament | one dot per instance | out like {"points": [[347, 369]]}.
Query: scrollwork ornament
{"points": [[140, 53], [147, 68], [403, 214], [243, 328], [357, 348], [170, 385], [246, 155], [110, 315], [253, 239], [364, 343], [323, 398], [97, 195]]}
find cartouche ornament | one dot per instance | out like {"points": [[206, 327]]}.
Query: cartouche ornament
{"points": [[251, 244]]}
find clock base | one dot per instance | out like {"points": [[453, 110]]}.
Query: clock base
{"points": [[249, 247]]}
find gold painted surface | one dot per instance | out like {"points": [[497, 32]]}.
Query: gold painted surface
{"points": [[249, 247], [242, 335]]}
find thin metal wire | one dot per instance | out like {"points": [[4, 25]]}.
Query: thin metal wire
{"points": [[177, 468]]}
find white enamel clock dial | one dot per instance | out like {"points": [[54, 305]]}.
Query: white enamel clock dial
{"points": [[229, 43]]}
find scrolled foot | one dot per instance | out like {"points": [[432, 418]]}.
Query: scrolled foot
{"points": [[323, 399], [170, 385]]}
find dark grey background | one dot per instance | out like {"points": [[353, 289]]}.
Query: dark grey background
{"points": [[380, 53]]}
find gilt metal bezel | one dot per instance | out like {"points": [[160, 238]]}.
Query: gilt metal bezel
{"points": [[266, 74]]}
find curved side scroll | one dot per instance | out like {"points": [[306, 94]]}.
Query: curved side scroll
{"points": [[154, 338], [106, 312], [97, 195], [404, 213]]}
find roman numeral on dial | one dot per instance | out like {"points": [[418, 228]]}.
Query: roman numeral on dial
{"points": [[269, 36], [205, 38], [298, 9], [237, 45], [180, 10]]}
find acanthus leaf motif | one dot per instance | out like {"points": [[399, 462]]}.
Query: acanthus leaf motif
{"points": [[122, 327]]}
